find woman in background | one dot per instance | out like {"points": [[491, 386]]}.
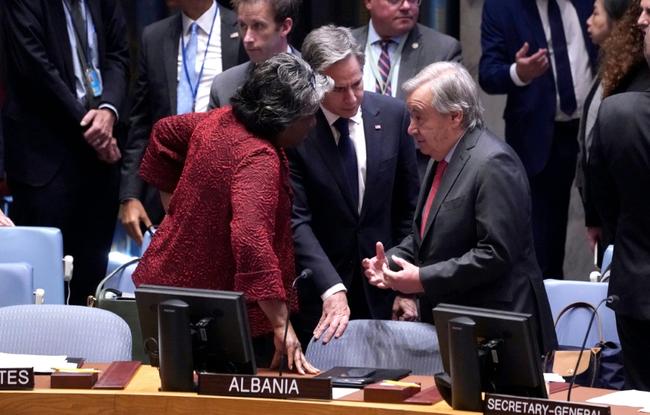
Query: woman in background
{"points": [[613, 27], [227, 225]]}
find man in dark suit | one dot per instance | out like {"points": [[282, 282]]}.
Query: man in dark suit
{"points": [[265, 26], [619, 168], [354, 182], [409, 47], [156, 94], [545, 97], [471, 241], [67, 76]]}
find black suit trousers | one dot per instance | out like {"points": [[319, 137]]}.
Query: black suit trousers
{"points": [[81, 200], [551, 191], [635, 343]]}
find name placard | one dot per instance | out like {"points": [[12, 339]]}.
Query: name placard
{"points": [[264, 386], [510, 405], [17, 378]]}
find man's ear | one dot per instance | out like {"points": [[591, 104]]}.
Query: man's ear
{"points": [[286, 26], [457, 118]]}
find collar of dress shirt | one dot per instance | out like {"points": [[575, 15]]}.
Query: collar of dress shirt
{"points": [[373, 36], [450, 154], [204, 22], [331, 117]]}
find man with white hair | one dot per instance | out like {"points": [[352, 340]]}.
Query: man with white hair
{"points": [[471, 240]]}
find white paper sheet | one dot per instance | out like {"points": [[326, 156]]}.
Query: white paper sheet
{"points": [[338, 393], [40, 363], [633, 398]]}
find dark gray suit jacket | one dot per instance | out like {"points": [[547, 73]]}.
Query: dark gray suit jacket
{"points": [[331, 237], [619, 169], [477, 249], [226, 83], [155, 90], [423, 46]]}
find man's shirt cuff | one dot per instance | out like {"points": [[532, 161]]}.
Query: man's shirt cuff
{"points": [[333, 290], [112, 108], [515, 78]]}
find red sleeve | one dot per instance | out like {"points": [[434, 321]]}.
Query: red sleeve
{"points": [[255, 189], [164, 158]]}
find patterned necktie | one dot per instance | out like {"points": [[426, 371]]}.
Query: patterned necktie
{"points": [[435, 184], [348, 157], [383, 65], [188, 76], [564, 79]]}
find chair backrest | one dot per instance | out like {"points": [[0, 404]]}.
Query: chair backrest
{"points": [[54, 329], [607, 259], [381, 344], [16, 280], [572, 328], [40, 247]]}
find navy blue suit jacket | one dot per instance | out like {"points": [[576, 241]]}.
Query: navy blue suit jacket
{"points": [[530, 110], [331, 237]]}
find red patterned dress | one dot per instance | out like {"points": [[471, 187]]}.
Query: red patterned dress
{"points": [[228, 223]]}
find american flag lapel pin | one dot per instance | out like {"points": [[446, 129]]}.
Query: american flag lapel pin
{"points": [[234, 35], [377, 127]]}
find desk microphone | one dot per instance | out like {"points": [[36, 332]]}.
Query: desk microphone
{"points": [[305, 274], [612, 299]]}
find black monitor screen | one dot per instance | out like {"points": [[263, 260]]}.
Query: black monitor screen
{"points": [[221, 339], [506, 342]]}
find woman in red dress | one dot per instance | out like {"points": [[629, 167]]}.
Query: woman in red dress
{"points": [[227, 225]]}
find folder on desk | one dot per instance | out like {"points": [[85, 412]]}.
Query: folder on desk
{"points": [[357, 377]]}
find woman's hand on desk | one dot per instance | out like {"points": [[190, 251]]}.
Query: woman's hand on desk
{"points": [[296, 359]]}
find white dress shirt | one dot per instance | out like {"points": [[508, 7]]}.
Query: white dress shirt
{"points": [[213, 59], [358, 138], [373, 52]]}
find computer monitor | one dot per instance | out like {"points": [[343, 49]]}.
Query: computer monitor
{"points": [[492, 350], [220, 334]]}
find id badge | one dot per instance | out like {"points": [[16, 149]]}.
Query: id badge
{"points": [[94, 82]]}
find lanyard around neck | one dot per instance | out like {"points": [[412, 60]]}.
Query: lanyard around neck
{"points": [[195, 88], [86, 53], [393, 63]]}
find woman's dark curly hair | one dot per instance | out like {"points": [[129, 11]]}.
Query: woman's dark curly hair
{"points": [[622, 51], [278, 92]]}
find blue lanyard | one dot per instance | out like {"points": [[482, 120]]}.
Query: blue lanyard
{"points": [[195, 88]]}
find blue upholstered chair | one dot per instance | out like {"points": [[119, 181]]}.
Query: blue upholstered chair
{"points": [[16, 280], [607, 262], [54, 329], [381, 344], [40, 247], [572, 327]]}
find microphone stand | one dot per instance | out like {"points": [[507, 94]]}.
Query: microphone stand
{"points": [[306, 273], [609, 300]]}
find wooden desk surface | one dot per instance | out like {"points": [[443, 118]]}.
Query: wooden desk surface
{"points": [[142, 397]]}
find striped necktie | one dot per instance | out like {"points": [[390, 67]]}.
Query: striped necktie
{"points": [[383, 86]]}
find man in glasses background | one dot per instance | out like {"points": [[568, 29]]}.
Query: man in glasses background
{"points": [[397, 47]]}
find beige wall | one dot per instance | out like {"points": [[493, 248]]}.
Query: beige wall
{"points": [[470, 39]]}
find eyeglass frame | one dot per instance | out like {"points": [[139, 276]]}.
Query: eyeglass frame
{"points": [[399, 2]]}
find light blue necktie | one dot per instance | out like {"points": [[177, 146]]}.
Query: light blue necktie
{"points": [[188, 77]]}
